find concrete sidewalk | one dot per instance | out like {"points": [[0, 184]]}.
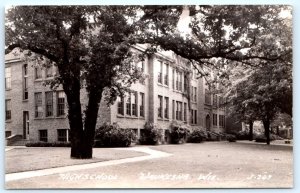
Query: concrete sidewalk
{"points": [[50, 171]]}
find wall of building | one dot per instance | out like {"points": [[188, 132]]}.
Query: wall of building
{"points": [[150, 87]]}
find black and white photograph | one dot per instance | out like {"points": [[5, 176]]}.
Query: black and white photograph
{"points": [[148, 96]]}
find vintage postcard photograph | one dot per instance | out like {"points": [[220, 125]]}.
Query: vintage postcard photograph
{"points": [[148, 96]]}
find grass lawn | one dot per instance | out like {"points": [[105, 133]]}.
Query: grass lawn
{"points": [[34, 158]]}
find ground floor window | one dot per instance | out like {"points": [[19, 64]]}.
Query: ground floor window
{"points": [[7, 109], [215, 119], [7, 133], [43, 135], [63, 135], [222, 120]]}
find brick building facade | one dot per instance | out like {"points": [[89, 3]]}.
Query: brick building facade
{"points": [[170, 92]]}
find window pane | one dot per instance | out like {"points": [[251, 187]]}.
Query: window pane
{"points": [[7, 109], [38, 73], [121, 105], [166, 107], [62, 135], [142, 103], [49, 104], [8, 78], [128, 105], [38, 105], [43, 135], [60, 103]]}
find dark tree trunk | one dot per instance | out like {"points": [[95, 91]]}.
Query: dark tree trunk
{"points": [[91, 115], [266, 124], [79, 143], [250, 130]]}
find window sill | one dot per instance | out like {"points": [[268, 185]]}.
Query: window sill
{"points": [[38, 80], [8, 121], [8, 89], [25, 100], [129, 117], [162, 85], [61, 117], [38, 118], [178, 91], [50, 117]]}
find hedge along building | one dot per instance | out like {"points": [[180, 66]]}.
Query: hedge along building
{"points": [[171, 92]]}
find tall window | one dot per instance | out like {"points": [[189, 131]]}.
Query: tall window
{"points": [[25, 82], [166, 74], [207, 97], [49, 71], [180, 81], [160, 72], [184, 112], [174, 78], [60, 103], [195, 94], [160, 107], [38, 105], [180, 111], [142, 104], [215, 100], [215, 119], [173, 109], [7, 109], [185, 83], [37, 73], [221, 102], [134, 104], [121, 105], [177, 80], [128, 105], [166, 110], [194, 117], [43, 135], [222, 120], [7, 78], [177, 110], [49, 103]]}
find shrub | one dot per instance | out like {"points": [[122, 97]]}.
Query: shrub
{"points": [[48, 144], [231, 138], [197, 136], [150, 135], [242, 135], [111, 135], [178, 133], [263, 138], [213, 136]]}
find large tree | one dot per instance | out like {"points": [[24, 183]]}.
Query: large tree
{"points": [[91, 46]]}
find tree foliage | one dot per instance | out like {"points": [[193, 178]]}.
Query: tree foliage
{"points": [[91, 46]]}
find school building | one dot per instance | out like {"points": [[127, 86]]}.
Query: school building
{"points": [[171, 91]]}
